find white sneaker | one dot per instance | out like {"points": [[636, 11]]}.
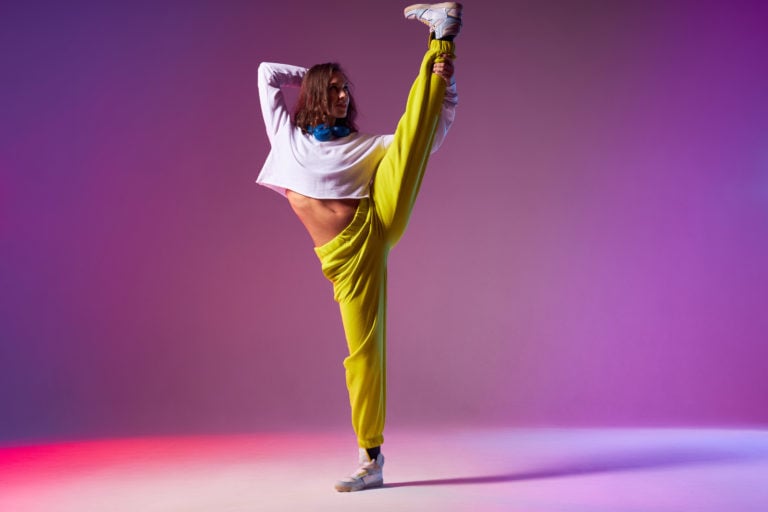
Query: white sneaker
{"points": [[367, 476], [443, 19]]}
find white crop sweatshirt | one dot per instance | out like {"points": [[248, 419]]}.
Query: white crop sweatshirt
{"points": [[336, 169]]}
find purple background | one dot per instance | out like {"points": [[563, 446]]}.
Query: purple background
{"points": [[590, 246]]}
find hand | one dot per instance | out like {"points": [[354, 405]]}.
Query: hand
{"points": [[444, 69]]}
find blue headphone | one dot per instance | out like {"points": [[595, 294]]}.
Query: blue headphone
{"points": [[323, 132]]}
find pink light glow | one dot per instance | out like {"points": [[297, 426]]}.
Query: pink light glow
{"points": [[451, 470], [588, 248]]}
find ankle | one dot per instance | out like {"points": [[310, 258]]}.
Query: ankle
{"points": [[374, 452]]}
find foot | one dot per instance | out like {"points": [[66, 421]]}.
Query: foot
{"points": [[444, 19], [367, 476]]}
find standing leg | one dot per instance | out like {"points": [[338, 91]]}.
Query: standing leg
{"points": [[364, 319], [356, 263]]}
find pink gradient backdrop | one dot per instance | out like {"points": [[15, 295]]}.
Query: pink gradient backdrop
{"points": [[590, 246]]}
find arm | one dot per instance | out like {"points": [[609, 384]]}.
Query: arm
{"points": [[272, 77], [445, 71]]}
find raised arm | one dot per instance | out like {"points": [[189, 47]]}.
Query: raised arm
{"points": [[273, 77], [445, 70]]}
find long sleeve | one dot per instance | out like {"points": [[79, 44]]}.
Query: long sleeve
{"points": [[272, 77], [447, 115]]}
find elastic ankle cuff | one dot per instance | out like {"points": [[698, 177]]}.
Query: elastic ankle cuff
{"points": [[370, 443], [443, 46]]}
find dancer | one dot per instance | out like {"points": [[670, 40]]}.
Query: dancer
{"points": [[354, 194]]}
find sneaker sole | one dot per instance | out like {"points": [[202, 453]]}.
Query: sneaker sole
{"points": [[446, 5], [343, 488]]}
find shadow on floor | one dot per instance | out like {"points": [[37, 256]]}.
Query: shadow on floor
{"points": [[607, 463]]}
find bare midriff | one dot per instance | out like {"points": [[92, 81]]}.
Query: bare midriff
{"points": [[323, 218]]}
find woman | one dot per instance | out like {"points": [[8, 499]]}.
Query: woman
{"points": [[354, 194]]}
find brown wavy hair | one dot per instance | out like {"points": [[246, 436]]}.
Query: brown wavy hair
{"points": [[312, 106]]}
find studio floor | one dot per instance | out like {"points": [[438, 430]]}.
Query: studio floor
{"points": [[547, 470]]}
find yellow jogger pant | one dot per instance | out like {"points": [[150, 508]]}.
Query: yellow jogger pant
{"points": [[355, 261]]}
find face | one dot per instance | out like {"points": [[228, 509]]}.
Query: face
{"points": [[338, 96]]}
